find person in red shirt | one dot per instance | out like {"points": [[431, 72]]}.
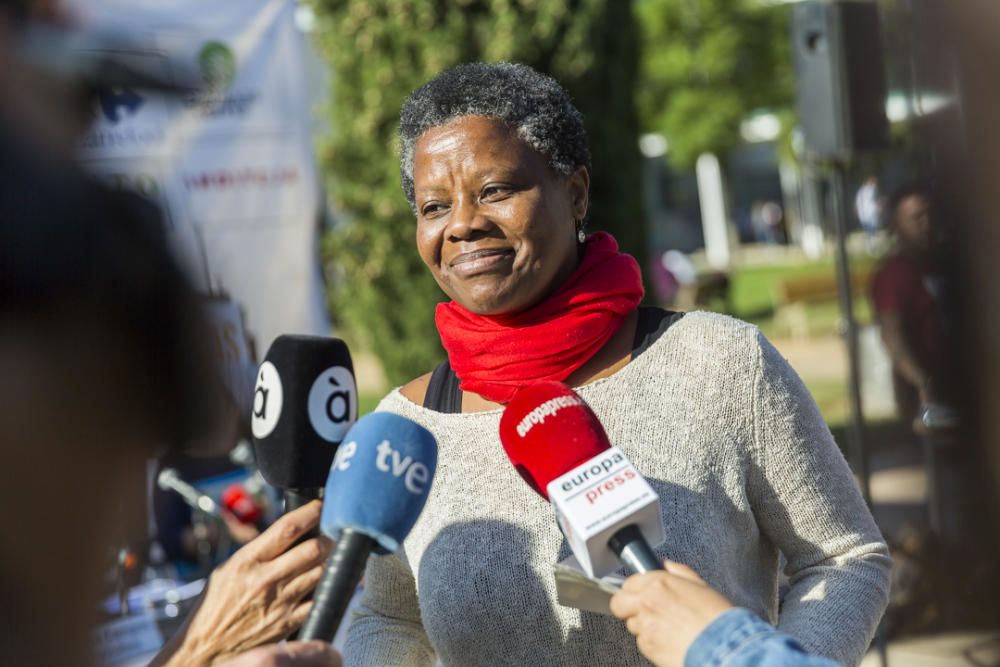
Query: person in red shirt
{"points": [[907, 294]]}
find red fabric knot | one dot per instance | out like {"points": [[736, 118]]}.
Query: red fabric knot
{"points": [[494, 356]]}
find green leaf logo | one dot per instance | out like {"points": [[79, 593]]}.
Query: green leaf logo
{"points": [[218, 65]]}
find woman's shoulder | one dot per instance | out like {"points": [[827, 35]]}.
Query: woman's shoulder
{"points": [[416, 389], [701, 329]]}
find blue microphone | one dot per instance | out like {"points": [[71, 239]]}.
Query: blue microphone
{"points": [[378, 484]]}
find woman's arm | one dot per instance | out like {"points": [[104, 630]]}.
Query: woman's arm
{"points": [[387, 630], [806, 501]]}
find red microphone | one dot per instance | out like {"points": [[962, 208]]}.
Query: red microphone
{"points": [[606, 510], [242, 505]]}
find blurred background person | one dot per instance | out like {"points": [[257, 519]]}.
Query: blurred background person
{"points": [[908, 291], [868, 208]]}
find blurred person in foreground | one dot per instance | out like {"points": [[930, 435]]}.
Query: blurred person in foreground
{"points": [[496, 167], [907, 293], [104, 364], [680, 621]]}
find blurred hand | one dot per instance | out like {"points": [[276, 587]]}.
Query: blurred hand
{"points": [[666, 611], [292, 654], [254, 598]]}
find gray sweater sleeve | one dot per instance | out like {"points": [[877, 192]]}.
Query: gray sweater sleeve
{"points": [[807, 502], [386, 629]]}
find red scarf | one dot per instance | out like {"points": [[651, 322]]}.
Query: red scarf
{"points": [[494, 356]]}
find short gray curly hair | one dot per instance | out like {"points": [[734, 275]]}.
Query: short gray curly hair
{"points": [[532, 104]]}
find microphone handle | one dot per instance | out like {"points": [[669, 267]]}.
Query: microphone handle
{"points": [[296, 498], [633, 550], [344, 569]]}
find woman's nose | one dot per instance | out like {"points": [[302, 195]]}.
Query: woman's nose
{"points": [[468, 221]]}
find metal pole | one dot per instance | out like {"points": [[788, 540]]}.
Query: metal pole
{"points": [[855, 432]]}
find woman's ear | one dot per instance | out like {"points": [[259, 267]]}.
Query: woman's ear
{"points": [[579, 189]]}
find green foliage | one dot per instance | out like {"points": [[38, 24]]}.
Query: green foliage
{"points": [[705, 65], [380, 50]]}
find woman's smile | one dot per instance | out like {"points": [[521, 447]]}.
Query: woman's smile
{"points": [[485, 260]]}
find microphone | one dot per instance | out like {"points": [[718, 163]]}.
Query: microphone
{"points": [[242, 505], [606, 510], [304, 402], [378, 486], [170, 480]]}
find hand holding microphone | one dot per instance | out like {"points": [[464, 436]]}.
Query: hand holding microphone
{"points": [[606, 510], [667, 610], [254, 598], [378, 485]]}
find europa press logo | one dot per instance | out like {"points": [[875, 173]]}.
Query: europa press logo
{"points": [[218, 66]]}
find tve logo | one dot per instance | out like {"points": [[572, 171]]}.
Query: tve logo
{"points": [[415, 475], [267, 401], [333, 403], [380, 478]]}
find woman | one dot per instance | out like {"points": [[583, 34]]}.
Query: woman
{"points": [[496, 167]]}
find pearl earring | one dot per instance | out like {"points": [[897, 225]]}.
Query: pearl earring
{"points": [[581, 235]]}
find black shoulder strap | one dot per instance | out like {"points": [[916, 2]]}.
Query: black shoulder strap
{"points": [[650, 325], [443, 394]]}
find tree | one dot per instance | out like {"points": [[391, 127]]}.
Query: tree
{"points": [[380, 50], [706, 64]]}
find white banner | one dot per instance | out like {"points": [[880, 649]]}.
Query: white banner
{"points": [[231, 163]]}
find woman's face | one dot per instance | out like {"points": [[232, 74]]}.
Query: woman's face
{"points": [[495, 223]]}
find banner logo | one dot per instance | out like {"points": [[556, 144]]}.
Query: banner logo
{"points": [[118, 104], [267, 401], [333, 403], [218, 68], [218, 65]]}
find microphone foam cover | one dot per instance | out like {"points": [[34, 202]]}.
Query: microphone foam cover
{"points": [[547, 430], [241, 504], [380, 479], [304, 403]]}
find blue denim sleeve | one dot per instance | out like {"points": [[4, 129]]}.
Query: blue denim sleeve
{"points": [[739, 638]]}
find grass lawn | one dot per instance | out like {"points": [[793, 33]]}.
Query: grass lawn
{"points": [[752, 295]]}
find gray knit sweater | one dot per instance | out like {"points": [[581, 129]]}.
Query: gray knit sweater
{"points": [[745, 467]]}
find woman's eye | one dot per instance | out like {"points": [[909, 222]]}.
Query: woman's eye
{"points": [[431, 208], [496, 191]]}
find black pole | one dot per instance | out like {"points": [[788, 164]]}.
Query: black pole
{"points": [[856, 428], [344, 569], [633, 550], [296, 498]]}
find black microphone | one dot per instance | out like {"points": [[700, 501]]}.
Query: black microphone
{"points": [[304, 402]]}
